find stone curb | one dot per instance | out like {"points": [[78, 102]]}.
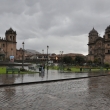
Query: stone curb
{"points": [[48, 81]]}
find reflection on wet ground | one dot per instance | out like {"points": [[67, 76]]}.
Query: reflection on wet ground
{"points": [[43, 76], [84, 94]]}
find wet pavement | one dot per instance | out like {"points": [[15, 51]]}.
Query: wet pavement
{"points": [[83, 94], [44, 76]]}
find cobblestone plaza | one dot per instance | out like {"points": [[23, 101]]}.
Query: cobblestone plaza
{"points": [[82, 94]]}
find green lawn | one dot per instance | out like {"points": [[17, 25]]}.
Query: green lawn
{"points": [[3, 71], [54, 67], [77, 69], [73, 69]]}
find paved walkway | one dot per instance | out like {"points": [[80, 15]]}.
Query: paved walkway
{"points": [[82, 94]]}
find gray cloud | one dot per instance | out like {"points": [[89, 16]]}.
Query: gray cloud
{"points": [[11, 6], [61, 24]]}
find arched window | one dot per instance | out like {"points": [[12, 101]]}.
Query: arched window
{"points": [[108, 44], [10, 37], [108, 35], [108, 51], [3, 45]]}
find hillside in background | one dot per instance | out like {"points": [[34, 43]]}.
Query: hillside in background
{"points": [[30, 51]]}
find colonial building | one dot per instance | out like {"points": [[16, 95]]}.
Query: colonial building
{"points": [[51, 57], [8, 45], [99, 47]]}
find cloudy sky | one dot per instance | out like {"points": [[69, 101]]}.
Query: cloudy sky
{"points": [[63, 25]]}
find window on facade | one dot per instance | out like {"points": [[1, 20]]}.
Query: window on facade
{"points": [[108, 44], [10, 37], [108, 51], [108, 35]]}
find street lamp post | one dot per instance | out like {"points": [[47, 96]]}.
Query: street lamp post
{"points": [[61, 53], [23, 57], [47, 56], [42, 56]]}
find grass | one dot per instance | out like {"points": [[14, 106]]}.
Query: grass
{"points": [[54, 67], [77, 68], [73, 69], [3, 71]]}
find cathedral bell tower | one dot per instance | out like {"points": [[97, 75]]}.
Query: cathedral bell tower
{"points": [[93, 35], [10, 37]]}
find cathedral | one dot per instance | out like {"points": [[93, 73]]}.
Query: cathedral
{"points": [[8, 46], [99, 47]]}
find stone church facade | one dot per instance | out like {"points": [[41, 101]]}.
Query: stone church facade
{"points": [[8, 45], [98, 47]]}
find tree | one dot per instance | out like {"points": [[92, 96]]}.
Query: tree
{"points": [[106, 65], [96, 61], [89, 62], [79, 60], [67, 59]]}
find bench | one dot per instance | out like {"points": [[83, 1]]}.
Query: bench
{"points": [[85, 69], [12, 70], [68, 69]]}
